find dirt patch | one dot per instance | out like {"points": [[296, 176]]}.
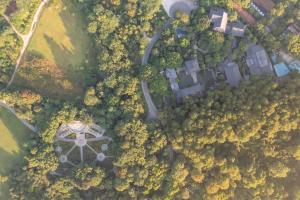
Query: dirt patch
{"points": [[11, 8]]}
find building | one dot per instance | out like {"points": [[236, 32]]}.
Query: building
{"points": [[263, 6], [294, 28], [192, 68], [232, 73], [172, 76], [258, 60], [237, 29], [193, 90], [180, 33], [219, 17], [247, 17], [295, 66]]}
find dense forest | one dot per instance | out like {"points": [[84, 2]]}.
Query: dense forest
{"points": [[232, 143], [240, 143]]}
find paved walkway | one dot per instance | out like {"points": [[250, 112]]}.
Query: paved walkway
{"points": [[152, 110], [26, 38], [4, 105], [152, 42]]}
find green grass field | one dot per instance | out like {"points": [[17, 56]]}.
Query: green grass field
{"points": [[63, 47], [14, 136]]}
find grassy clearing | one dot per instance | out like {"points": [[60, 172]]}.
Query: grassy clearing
{"points": [[58, 54], [14, 136]]}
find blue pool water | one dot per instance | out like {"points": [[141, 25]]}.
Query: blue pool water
{"points": [[281, 69]]}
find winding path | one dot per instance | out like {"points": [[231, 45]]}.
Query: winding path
{"points": [[26, 38], [152, 42], [152, 110]]}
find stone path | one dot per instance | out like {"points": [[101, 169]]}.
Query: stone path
{"points": [[26, 38]]}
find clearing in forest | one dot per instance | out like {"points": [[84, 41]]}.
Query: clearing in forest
{"points": [[58, 60], [14, 136]]}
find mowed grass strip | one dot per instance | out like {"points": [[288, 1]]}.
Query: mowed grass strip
{"points": [[62, 45], [14, 136]]}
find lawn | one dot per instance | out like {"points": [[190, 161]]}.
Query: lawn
{"points": [[14, 136], [59, 58]]}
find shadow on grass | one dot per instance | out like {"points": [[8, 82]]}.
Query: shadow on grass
{"points": [[88, 70], [14, 160], [20, 134]]}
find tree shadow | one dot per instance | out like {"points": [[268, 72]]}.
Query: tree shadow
{"points": [[71, 9], [83, 73], [21, 136]]}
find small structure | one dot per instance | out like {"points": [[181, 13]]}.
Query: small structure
{"points": [[294, 28], [219, 18], [258, 60], [281, 69], [192, 68], [232, 73], [263, 6], [180, 33], [295, 65], [172, 76], [237, 29]]}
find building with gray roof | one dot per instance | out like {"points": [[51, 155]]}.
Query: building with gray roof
{"points": [[172, 76], [232, 73], [192, 68], [258, 60], [237, 29], [194, 90]]}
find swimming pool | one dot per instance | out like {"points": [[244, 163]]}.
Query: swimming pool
{"points": [[281, 69]]}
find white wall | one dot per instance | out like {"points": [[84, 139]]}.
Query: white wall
{"points": [[171, 6]]}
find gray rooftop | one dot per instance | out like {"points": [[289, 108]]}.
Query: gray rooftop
{"points": [[194, 90], [172, 76], [232, 73], [237, 29], [192, 68], [258, 60], [171, 73]]}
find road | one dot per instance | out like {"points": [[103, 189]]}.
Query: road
{"points": [[26, 38], [152, 110], [152, 42]]}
